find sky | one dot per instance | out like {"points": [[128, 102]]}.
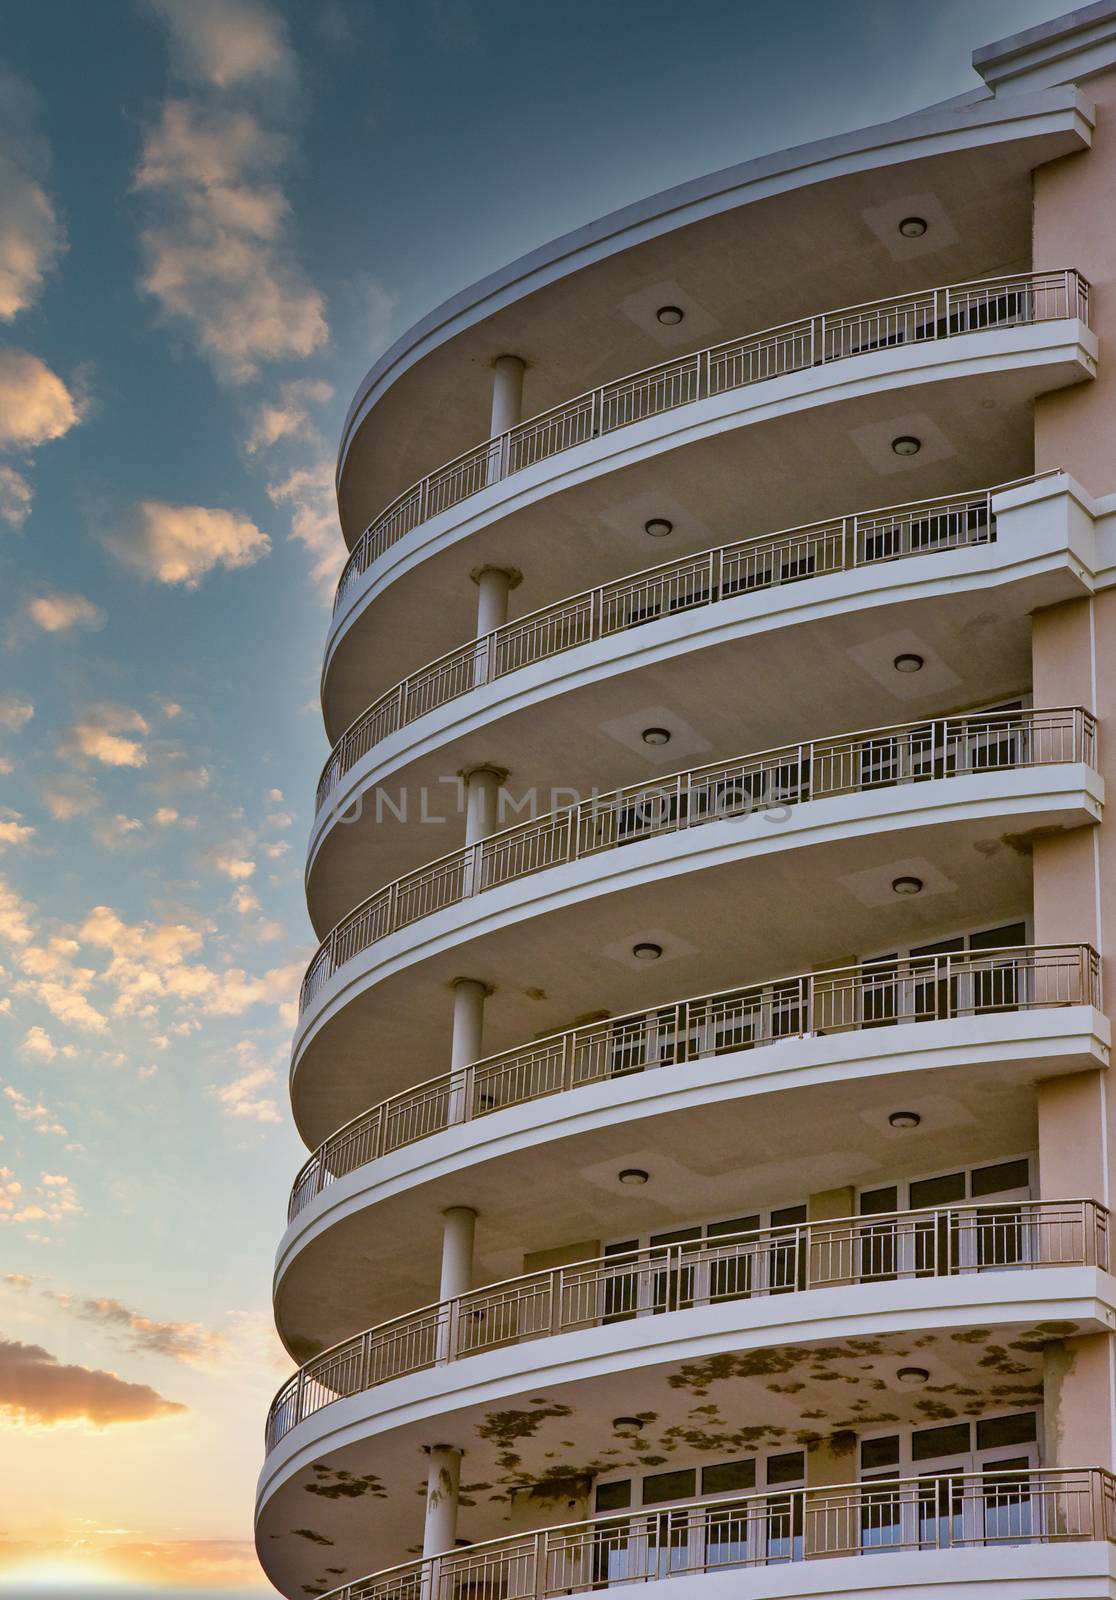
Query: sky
{"points": [[214, 215]]}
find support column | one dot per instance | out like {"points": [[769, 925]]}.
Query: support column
{"points": [[443, 1487], [494, 585], [460, 1224], [482, 788], [469, 995], [507, 393]]}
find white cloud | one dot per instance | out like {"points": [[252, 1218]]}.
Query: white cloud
{"points": [[310, 494], [68, 794], [35, 404], [31, 236], [16, 495], [12, 830], [165, 816], [105, 734], [243, 1096], [56, 613], [33, 1111], [14, 712], [52, 976], [15, 917], [244, 901], [180, 544], [289, 416], [228, 859], [226, 42], [116, 831], [38, 1044], [216, 253]]}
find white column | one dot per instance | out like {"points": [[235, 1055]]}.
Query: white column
{"points": [[494, 585], [460, 1224], [469, 995], [482, 786], [507, 393], [443, 1485]]}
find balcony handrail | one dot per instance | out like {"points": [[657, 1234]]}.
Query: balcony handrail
{"points": [[718, 791], [493, 459], [933, 1241], [832, 1000], [827, 545], [997, 1506]]}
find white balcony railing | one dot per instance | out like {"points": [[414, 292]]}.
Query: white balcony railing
{"points": [[939, 1511], [870, 995], [928, 314], [912, 752], [931, 1243], [767, 561]]}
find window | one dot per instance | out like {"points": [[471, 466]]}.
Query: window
{"points": [[663, 1486], [728, 1477]]}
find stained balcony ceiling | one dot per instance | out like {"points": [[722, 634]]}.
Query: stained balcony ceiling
{"points": [[787, 256]]}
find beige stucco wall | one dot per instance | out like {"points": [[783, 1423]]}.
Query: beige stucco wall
{"points": [[1077, 1402]]}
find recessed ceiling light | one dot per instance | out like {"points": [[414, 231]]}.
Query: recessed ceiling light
{"points": [[906, 445], [908, 663], [635, 1176], [913, 227], [658, 527], [651, 952], [913, 1377], [669, 316], [906, 885], [655, 735], [904, 1119], [628, 1426]]}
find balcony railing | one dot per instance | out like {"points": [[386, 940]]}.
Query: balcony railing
{"points": [[940, 1511], [927, 314], [870, 995], [910, 752], [932, 1243], [768, 561]]}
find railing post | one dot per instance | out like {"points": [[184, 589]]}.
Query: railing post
{"points": [[941, 313], [539, 1575], [850, 533], [557, 1282]]}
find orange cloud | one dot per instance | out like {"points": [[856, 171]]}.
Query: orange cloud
{"points": [[56, 613], [180, 544], [35, 405], [189, 1342], [36, 1387], [154, 1565], [226, 42], [105, 734]]}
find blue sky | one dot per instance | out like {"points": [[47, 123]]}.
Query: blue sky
{"points": [[214, 214]]}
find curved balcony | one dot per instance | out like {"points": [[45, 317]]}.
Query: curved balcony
{"points": [[936, 1242], [841, 1000], [747, 566], [771, 782], [930, 315], [991, 1510]]}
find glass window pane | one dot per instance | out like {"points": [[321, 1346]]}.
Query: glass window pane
{"points": [[952, 1440], [999, 1179], [1015, 933], [938, 1191], [628, 1246], [614, 1496], [787, 1215], [728, 1476], [715, 1230], [879, 1453], [678, 1236], [995, 1432], [789, 1468], [941, 947], [873, 1201], [660, 1486]]}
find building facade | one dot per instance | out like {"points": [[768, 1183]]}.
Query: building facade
{"points": [[705, 1061]]}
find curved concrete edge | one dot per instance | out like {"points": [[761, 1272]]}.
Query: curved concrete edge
{"points": [[1073, 1032], [1040, 345], [1071, 791], [1082, 1295], [962, 124], [1027, 546]]}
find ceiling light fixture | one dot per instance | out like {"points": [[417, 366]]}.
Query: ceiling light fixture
{"points": [[913, 227], [655, 735], [908, 662], [906, 885], [658, 527], [669, 316], [906, 445], [634, 1176], [647, 952], [904, 1119], [627, 1427], [913, 1377]]}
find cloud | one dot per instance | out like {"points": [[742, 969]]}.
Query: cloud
{"points": [[38, 1044], [180, 544], [15, 917], [52, 976], [116, 831], [37, 1388], [242, 1097], [216, 253], [16, 493], [33, 1111], [55, 613], [12, 830], [14, 712], [35, 404], [67, 795], [232, 863], [105, 734], [310, 494], [189, 1342], [288, 416], [226, 42], [31, 236], [244, 901]]}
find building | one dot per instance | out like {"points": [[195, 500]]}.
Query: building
{"points": [[707, 1096]]}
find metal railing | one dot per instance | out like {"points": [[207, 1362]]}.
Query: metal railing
{"points": [[773, 780], [870, 995], [931, 1243], [766, 561], [937, 1511], [928, 314]]}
